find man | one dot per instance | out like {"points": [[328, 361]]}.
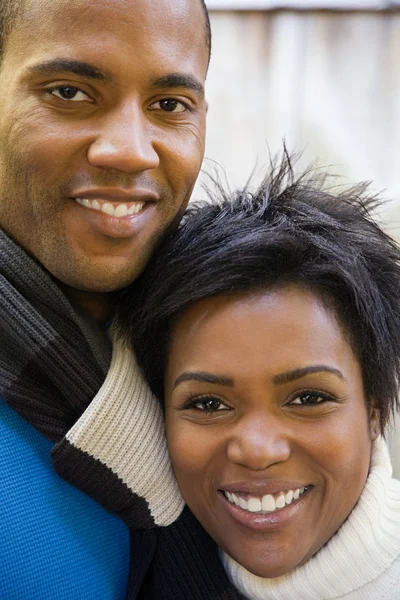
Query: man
{"points": [[102, 127]]}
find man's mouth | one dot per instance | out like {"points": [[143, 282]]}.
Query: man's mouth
{"points": [[112, 209], [268, 503]]}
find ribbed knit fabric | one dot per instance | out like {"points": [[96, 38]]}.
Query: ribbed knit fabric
{"points": [[53, 360], [108, 431], [183, 564], [123, 456], [360, 562]]}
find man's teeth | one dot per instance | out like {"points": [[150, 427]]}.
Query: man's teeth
{"points": [[268, 503], [112, 209]]}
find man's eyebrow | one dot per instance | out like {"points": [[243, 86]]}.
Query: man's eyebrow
{"points": [[203, 377], [77, 67], [179, 80], [289, 376]]}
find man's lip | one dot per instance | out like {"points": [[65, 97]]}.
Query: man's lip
{"points": [[263, 488], [117, 194]]}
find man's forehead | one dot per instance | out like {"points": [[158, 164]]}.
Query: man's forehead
{"points": [[132, 28], [185, 14], [13, 11], [141, 9]]}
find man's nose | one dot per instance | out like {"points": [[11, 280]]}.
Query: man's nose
{"points": [[259, 442], [124, 142]]}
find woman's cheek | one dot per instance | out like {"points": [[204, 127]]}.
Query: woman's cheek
{"points": [[191, 454]]}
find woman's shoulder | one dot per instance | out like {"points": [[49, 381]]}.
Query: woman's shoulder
{"points": [[385, 587], [395, 486], [392, 504]]}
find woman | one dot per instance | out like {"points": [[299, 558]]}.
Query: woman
{"points": [[269, 328]]}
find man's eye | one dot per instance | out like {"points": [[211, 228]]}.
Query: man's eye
{"points": [[169, 105], [311, 399], [70, 93]]}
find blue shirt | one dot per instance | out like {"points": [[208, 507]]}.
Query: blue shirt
{"points": [[56, 543]]}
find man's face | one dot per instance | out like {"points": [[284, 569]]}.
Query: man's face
{"points": [[102, 127]]}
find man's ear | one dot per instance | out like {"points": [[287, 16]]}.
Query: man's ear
{"points": [[374, 421]]}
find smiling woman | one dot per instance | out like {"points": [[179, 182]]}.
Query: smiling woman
{"points": [[269, 328]]}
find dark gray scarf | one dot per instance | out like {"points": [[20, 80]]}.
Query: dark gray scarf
{"points": [[52, 360]]}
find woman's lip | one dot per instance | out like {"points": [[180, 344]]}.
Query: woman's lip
{"points": [[264, 522]]}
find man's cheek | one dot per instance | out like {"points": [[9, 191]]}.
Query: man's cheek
{"points": [[23, 129]]}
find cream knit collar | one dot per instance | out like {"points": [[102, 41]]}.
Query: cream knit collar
{"points": [[361, 550], [122, 450]]}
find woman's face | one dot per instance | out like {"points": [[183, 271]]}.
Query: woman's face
{"points": [[267, 424]]}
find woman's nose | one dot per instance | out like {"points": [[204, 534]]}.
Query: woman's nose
{"points": [[259, 442], [124, 142]]}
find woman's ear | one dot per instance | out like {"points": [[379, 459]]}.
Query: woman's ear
{"points": [[374, 421]]}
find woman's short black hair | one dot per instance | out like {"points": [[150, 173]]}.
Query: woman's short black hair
{"points": [[289, 231]]}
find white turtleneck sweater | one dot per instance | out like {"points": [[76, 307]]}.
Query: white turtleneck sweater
{"points": [[360, 562]]}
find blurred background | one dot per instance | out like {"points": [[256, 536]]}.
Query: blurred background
{"points": [[322, 74]]}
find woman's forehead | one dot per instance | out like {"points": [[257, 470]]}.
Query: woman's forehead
{"points": [[267, 331]]}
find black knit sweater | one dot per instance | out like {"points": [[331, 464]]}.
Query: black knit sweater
{"points": [[179, 562]]}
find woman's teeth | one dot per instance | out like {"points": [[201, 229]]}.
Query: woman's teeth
{"points": [[268, 503], [112, 209]]}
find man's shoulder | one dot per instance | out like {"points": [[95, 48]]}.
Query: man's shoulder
{"points": [[46, 521]]}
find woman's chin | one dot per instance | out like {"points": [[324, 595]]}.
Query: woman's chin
{"points": [[265, 567]]}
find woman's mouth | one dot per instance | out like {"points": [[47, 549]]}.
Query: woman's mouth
{"points": [[268, 512], [268, 503]]}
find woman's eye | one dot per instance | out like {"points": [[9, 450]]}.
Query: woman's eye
{"points": [[206, 404], [210, 405], [69, 93], [169, 105], [310, 399]]}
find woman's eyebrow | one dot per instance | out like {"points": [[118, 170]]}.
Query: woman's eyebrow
{"points": [[203, 377], [289, 376]]}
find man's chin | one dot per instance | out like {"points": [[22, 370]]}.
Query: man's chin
{"points": [[105, 280]]}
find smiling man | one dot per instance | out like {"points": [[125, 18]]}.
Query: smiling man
{"points": [[102, 132], [102, 120]]}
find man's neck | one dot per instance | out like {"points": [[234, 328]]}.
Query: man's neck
{"points": [[99, 306]]}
